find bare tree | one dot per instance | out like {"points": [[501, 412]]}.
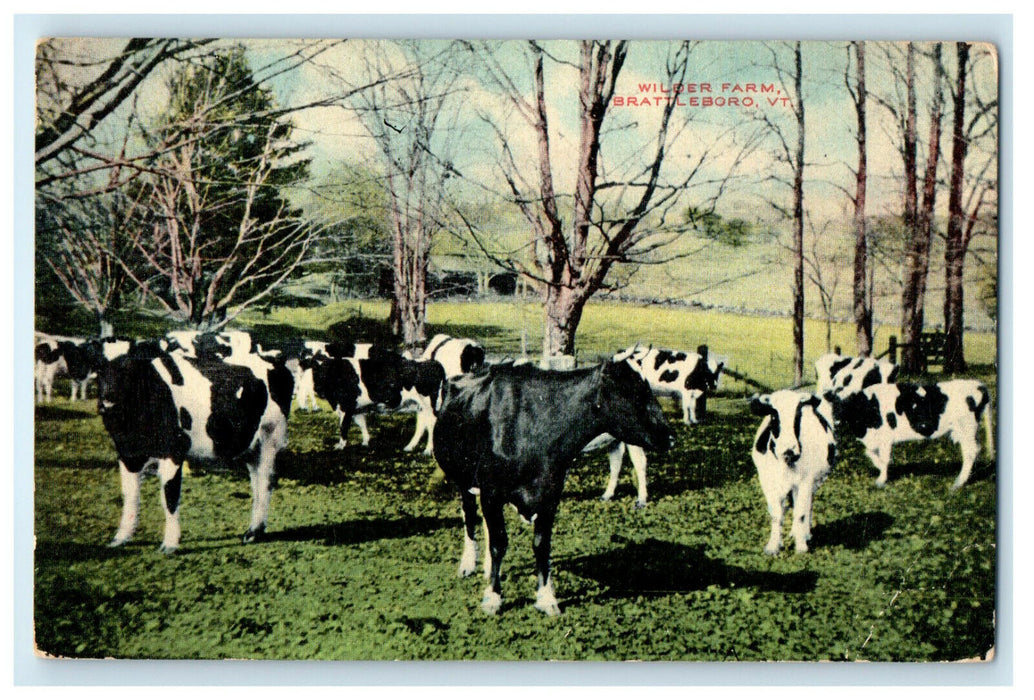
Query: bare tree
{"points": [[219, 235], [791, 152], [408, 113], [67, 112], [862, 295], [917, 256], [569, 261], [83, 240], [969, 194], [822, 265]]}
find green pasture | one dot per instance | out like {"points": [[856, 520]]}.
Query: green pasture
{"points": [[363, 544]]}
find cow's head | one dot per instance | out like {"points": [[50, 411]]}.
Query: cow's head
{"points": [[634, 354], [628, 408], [783, 409]]}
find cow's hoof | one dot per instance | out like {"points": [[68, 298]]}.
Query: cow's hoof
{"points": [[772, 551], [408, 448], [491, 602], [880, 484], [801, 548], [340, 445], [118, 541], [168, 548], [466, 570], [254, 534], [640, 504], [606, 497]]}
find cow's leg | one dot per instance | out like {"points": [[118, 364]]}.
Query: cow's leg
{"points": [[686, 404], [469, 506], [360, 420], [343, 426], [775, 496], [879, 455], [492, 599], [970, 448], [638, 456], [615, 455], [423, 419], [545, 597], [261, 474], [74, 386], [486, 557], [130, 504], [431, 420], [170, 477], [801, 528]]}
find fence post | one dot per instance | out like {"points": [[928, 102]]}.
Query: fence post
{"points": [[892, 349]]}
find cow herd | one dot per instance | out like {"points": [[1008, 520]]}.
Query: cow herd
{"points": [[504, 433]]}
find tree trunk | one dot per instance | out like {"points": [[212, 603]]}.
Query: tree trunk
{"points": [[563, 308], [955, 251], [917, 259], [862, 308], [798, 225]]}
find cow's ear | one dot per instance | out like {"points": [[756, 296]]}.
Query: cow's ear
{"points": [[761, 405], [813, 401]]}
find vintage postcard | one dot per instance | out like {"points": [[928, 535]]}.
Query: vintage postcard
{"points": [[593, 350]]}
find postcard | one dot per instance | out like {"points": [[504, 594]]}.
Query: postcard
{"points": [[583, 350]]}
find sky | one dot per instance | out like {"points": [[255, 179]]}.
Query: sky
{"points": [[728, 68]]}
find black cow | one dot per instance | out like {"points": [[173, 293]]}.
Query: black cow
{"points": [[356, 379], [161, 406], [510, 432]]}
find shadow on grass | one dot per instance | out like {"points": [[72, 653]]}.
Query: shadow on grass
{"points": [[854, 531], [70, 552], [359, 531], [48, 413], [656, 568], [983, 470]]}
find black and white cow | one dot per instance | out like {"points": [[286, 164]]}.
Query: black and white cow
{"points": [[161, 406], [56, 356], [509, 434], [689, 376], [794, 451], [456, 355], [849, 375], [883, 415], [615, 455], [356, 379]]}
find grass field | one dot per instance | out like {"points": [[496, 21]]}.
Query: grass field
{"points": [[363, 545]]}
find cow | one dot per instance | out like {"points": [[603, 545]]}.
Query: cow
{"points": [[849, 375], [456, 355], [300, 357], [162, 405], [615, 455], [696, 387], [356, 379], [689, 376], [883, 415], [794, 450], [509, 433], [75, 358]]}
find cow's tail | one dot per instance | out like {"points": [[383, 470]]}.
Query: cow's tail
{"points": [[981, 404], [989, 433]]}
